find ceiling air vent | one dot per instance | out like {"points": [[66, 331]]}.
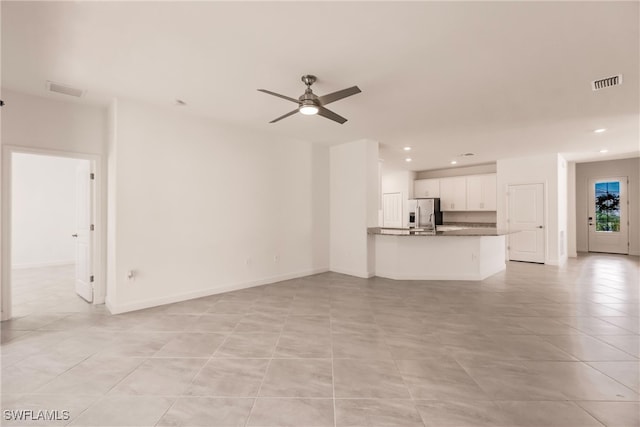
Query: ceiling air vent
{"points": [[606, 82], [64, 89]]}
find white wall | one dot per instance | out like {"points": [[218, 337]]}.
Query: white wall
{"points": [[36, 122], [611, 168], [571, 210], [202, 208], [112, 150], [43, 210], [530, 170], [354, 203], [563, 205]]}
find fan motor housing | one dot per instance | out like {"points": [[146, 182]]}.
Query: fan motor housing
{"points": [[308, 98]]}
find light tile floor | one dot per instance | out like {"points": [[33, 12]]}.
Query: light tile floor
{"points": [[45, 290], [534, 346]]}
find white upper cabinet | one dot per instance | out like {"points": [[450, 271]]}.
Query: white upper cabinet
{"points": [[426, 188], [460, 193], [453, 193], [481, 192]]}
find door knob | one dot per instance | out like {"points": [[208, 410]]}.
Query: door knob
{"points": [[539, 226], [74, 235]]}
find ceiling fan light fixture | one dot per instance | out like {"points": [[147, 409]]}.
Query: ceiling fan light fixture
{"points": [[308, 110], [310, 104]]}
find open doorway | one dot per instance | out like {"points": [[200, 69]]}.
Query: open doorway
{"points": [[52, 224]]}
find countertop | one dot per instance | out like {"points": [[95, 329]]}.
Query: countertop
{"points": [[472, 231]]}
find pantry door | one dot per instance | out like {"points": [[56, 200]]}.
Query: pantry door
{"points": [[392, 210], [526, 223]]}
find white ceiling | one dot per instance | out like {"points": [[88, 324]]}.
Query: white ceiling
{"points": [[502, 79]]}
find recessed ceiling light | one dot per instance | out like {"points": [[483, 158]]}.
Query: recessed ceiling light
{"points": [[407, 148], [408, 159], [453, 162], [604, 150], [599, 130]]}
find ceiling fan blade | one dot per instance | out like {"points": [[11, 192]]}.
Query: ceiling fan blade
{"points": [[290, 113], [331, 115], [335, 96], [279, 96]]}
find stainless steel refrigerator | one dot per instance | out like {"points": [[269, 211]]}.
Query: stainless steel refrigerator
{"points": [[424, 213]]}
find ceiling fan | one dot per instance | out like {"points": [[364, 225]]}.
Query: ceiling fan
{"points": [[309, 103]]}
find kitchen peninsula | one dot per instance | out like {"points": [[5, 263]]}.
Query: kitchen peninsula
{"points": [[461, 254]]}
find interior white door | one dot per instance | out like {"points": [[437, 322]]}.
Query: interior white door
{"points": [[526, 222], [83, 234], [392, 210], [608, 220]]}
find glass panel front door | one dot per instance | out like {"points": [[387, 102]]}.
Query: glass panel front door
{"points": [[608, 215], [607, 206]]}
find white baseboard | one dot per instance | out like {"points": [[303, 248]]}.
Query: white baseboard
{"points": [[110, 307], [154, 302], [491, 271], [556, 262], [361, 274], [476, 277], [631, 253], [42, 264]]}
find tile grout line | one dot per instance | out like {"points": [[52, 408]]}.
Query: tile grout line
{"points": [[576, 402], [613, 379], [195, 376], [547, 338], [100, 398], [617, 326], [275, 347], [597, 337], [151, 357], [395, 363]]}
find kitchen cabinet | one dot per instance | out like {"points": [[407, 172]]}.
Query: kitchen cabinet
{"points": [[461, 193], [426, 188], [453, 193], [481, 192]]}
